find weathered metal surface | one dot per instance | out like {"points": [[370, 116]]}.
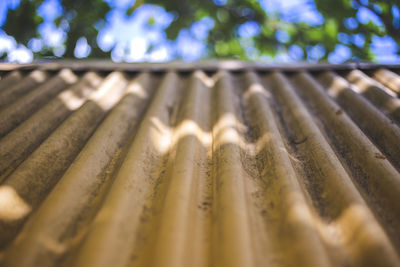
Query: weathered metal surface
{"points": [[203, 165]]}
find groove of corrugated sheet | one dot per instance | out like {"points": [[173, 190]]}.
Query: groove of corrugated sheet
{"points": [[195, 168]]}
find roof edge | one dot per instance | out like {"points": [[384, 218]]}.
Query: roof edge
{"points": [[208, 65]]}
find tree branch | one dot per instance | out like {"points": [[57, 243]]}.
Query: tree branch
{"points": [[391, 30]]}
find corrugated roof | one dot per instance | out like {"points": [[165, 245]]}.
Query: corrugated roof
{"points": [[211, 164]]}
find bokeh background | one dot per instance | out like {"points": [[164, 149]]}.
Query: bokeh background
{"points": [[333, 31]]}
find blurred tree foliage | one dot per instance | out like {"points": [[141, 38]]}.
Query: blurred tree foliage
{"points": [[79, 19], [86, 18]]}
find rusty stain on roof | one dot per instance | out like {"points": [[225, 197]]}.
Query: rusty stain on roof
{"points": [[217, 164]]}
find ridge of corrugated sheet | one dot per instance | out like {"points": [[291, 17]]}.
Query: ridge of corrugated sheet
{"points": [[203, 165]]}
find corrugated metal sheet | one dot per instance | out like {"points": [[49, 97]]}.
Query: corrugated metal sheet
{"points": [[201, 165]]}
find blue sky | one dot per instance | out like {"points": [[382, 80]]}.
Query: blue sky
{"points": [[130, 37]]}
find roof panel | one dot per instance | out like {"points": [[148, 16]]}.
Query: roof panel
{"points": [[211, 164]]}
